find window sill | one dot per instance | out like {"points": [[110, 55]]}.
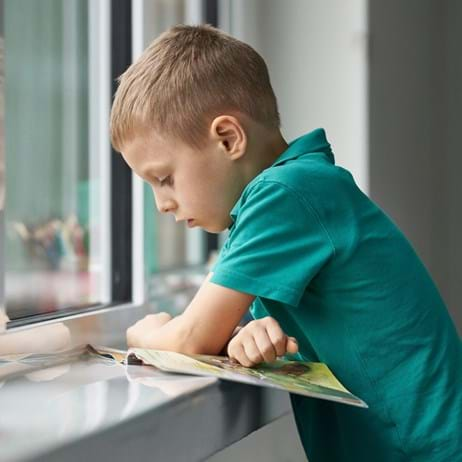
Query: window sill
{"points": [[97, 410]]}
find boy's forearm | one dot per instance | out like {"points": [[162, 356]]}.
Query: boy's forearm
{"points": [[172, 336], [205, 327], [176, 336]]}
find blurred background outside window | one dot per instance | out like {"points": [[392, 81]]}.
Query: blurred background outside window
{"points": [[54, 241]]}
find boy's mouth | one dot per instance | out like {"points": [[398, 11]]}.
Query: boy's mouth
{"points": [[190, 223]]}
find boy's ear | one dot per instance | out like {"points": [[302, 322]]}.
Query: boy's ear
{"points": [[229, 132]]}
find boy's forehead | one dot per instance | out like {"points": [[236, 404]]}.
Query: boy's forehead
{"points": [[145, 153], [154, 147], [160, 148]]}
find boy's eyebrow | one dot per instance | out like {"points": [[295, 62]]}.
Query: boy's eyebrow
{"points": [[152, 168]]}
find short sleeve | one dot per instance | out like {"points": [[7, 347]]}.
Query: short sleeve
{"points": [[275, 247]]}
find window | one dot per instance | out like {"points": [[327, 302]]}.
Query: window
{"points": [[66, 224], [80, 232]]}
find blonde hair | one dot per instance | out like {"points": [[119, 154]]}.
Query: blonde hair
{"points": [[187, 77]]}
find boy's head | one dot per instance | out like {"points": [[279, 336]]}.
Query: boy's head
{"points": [[188, 109]]}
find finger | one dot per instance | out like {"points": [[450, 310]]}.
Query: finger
{"points": [[165, 315], [237, 353], [292, 345], [277, 337], [265, 345], [131, 336], [156, 319], [236, 331], [251, 351], [161, 316]]}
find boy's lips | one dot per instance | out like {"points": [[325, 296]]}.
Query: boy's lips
{"points": [[190, 222]]}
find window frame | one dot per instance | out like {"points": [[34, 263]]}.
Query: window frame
{"points": [[111, 21], [2, 173], [126, 282]]}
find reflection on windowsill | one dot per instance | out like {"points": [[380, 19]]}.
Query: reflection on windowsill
{"points": [[43, 339], [171, 385], [50, 373]]}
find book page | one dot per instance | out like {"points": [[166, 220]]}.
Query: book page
{"points": [[300, 377]]}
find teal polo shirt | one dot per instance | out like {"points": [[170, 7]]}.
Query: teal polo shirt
{"points": [[338, 275]]}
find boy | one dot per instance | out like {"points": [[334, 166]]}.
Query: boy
{"points": [[307, 251]]}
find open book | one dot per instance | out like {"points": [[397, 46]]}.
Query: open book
{"points": [[304, 378]]}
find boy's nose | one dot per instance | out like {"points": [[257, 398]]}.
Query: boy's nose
{"points": [[164, 204], [167, 206]]}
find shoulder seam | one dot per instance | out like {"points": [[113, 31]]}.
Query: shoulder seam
{"points": [[306, 204]]}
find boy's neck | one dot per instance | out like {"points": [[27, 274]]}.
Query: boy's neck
{"points": [[263, 150], [276, 146]]}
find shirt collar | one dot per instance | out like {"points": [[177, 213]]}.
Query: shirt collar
{"points": [[312, 142]]}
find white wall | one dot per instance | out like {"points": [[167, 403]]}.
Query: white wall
{"points": [[415, 125], [316, 54], [452, 256]]}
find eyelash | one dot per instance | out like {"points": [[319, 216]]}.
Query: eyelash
{"points": [[164, 181]]}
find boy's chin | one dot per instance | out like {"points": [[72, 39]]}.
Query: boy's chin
{"points": [[216, 228]]}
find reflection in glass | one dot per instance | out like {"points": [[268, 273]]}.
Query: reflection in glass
{"points": [[47, 156]]}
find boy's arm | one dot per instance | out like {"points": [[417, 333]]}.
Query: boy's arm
{"points": [[205, 327]]}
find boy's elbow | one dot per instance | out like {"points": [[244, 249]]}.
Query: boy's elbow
{"points": [[191, 347], [196, 345], [187, 342], [193, 339], [188, 347]]}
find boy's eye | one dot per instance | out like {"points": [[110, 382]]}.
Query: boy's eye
{"points": [[164, 181]]}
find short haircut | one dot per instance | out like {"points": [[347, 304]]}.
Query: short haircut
{"points": [[185, 78]]}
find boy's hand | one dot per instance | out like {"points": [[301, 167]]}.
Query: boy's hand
{"points": [[138, 334], [260, 341]]}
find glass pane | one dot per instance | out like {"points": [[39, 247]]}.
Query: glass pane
{"points": [[51, 234], [168, 245]]}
